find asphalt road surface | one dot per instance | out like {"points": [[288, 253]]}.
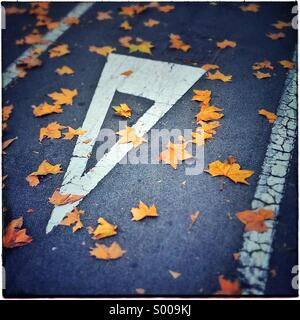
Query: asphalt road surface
{"points": [[58, 263]]}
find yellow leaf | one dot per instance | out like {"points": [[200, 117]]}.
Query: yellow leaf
{"points": [[123, 110], [64, 70], [151, 23], [33, 180], [142, 46], [209, 66], [102, 51], [103, 252], [65, 97], [226, 43], [269, 115], [72, 133], [266, 64], [175, 152], [129, 135], [177, 43], [45, 108], [103, 230], [125, 25], [230, 170], [219, 76], [275, 36], [143, 211], [287, 64], [166, 8], [174, 274], [44, 168], [52, 131], [59, 51]]}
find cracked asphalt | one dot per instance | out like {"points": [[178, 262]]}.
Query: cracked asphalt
{"points": [[59, 264]]}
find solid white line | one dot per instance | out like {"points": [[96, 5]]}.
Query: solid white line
{"points": [[257, 247], [11, 72], [164, 83]]}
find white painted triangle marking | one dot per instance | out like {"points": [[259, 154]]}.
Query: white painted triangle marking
{"points": [[164, 83]]}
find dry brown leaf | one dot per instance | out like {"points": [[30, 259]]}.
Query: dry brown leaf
{"points": [[255, 220], [207, 113], [127, 73], [228, 287], [125, 25], [6, 112], [287, 64], [266, 64], [44, 168], [143, 211], [151, 23], [73, 132], [209, 66], [14, 10], [177, 43], [166, 8], [73, 218], [174, 274], [129, 135], [104, 15], [103, 252], [103, 230], [174, 153], [250, 7], [202, 96], [64, 97], [261, 75], [14, 236], [71, 20], [281, 24]]}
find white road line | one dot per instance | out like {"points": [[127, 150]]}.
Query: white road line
{"points": [[257, 247], [164, 83], [11, 72]]}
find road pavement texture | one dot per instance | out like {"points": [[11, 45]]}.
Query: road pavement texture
{"points": [[59, 263]]}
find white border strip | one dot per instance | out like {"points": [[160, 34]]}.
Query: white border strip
{"points": [[11, 72], [257, 247]]}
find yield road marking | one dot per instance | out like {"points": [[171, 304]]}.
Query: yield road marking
{"points": [[164, 83], [257, 247], [11, 72]]}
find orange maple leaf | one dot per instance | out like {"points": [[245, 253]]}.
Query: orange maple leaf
{"points": [[123, 110], [250, 7], [53, 25], [52, 131], [275, 36], [64, 70], [103, 51], [46, 108], [71, 20], [73, 132], [166, 8], [129, 135], [287, 64], [125, 25], [103, 230], [64, 97], [266, 64], [175, 152], [254, 220], [143, 211], [14, 236], [207, 113], [261, 75], [271, 116], [207, 131], [103, 252], [59, 199], [226, 43], [281, 24], [44, 168], [228, 287], [151, 23], [128, 11], [209, 66], [29, 63], [219, 76], [177, 43], [59, 51], [202, 96], [104, 15], [73, 218], [230, 170]]}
